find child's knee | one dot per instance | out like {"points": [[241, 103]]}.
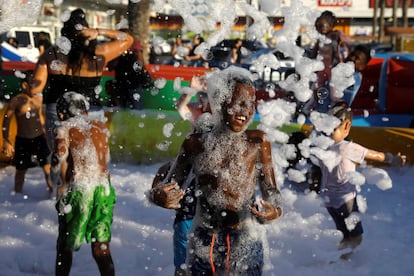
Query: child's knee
{"points": [[100, 249]]}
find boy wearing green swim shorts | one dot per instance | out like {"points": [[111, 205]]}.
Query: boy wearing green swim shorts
{"points": [[85, 198]]}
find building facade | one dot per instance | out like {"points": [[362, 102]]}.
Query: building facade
{"points": [[355, 17]]}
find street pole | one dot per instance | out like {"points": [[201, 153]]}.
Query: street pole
{"points": [[405, 13], [394, 20], [375, 19], [381, 26]]}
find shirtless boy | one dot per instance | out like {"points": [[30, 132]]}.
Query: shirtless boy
{"points": [[329, 49], [228, 161], [31, 147], [85, 198]]}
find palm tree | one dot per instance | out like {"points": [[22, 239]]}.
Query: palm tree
{"points": [[405, 13], [139, 23]]}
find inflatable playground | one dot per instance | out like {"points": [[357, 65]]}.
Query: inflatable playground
{"points": [[383, 109]]}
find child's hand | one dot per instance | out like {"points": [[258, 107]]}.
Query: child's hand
{"points": [[397, 160], [168, 196], [8, 149], [199, 83], [401, 159], [269, 212]]}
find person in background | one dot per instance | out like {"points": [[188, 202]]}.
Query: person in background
{"points": [[360, 56], [76, 63], [330, 49], [236, 53], [131, 77], [85, 198], [194, 59], [43, 42], [336, 186], [30, 147], [179, 50], [13, 41], [271, 42], [190, 111]]}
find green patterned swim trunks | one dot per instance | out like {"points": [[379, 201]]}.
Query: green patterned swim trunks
{"points": [[86, 215]]}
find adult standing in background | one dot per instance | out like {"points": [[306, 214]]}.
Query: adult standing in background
{"points": [[179, 50], [131, 77], [193, 58], [76, 63], [236, 53]]}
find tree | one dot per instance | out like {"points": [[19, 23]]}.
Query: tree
{"points": [[139, 23]]}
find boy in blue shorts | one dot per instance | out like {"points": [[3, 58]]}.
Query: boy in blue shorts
{"points": [[191, 111], [183, 218], [85, 198]]}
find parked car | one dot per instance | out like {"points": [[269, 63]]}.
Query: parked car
{"points": [[27, 38], [221, 53], [284, 60], [228, 44], [268, 78]]}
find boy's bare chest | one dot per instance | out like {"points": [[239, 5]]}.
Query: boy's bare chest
{"points": [[28, 107], [226, 172], [227, 156]]}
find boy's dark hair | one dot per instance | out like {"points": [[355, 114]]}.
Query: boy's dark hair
{"points": [[221, 86], [364, 49], [341, 111], [28, 76], [241, 80], [71, 104], [232, 80], [330, 16], [26, 81], [202, 95]]}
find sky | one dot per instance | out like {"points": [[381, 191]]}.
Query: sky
{"points": [[302, 242]]}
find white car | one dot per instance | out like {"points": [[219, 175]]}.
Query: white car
{"points": [[27, 38]]}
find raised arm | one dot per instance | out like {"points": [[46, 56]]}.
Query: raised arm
{"points": [[183, 108], [39, 76], [120, 42], [386, 157], [188, 110]]}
